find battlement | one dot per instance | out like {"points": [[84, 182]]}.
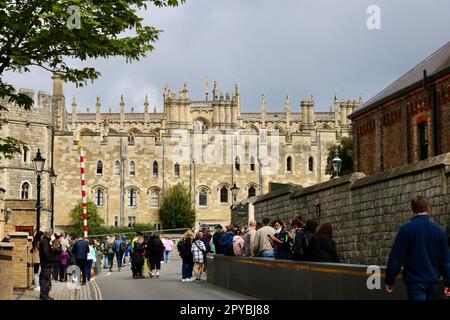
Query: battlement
{"points": [[41, 99]]}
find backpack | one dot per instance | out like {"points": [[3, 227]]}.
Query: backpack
{"points": [[226, 244], [300, 247], [123, 246], [182, 249]]}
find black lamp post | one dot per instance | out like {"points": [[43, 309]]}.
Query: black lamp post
{"points": [[53, 177], [337, 162], [38, 163], [234, 191]]}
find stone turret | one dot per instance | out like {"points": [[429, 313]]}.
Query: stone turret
{"points": [[311, 118], [237, 94], [216, 107], [60, 102], [336, 111], [222, 110], [98, 119], [287, 110], [122, 113], [263, 111], [146, 113], [74, 111]]}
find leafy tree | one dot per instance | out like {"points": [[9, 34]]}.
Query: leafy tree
{"points": [[94, 220], [45, 33], [345, 151], [176, 210]]}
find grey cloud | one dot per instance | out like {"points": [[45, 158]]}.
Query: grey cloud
{"points": [[276, 47]]}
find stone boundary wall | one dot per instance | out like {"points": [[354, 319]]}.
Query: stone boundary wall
{"points": [[6, 271], [366, 212]]}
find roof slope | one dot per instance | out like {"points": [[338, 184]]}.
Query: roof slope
{"points": [[437, 62]]}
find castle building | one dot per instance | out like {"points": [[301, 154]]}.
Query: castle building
{"points": [[131, 158], [408, 121]]}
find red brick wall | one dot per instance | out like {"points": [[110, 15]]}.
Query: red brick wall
{"points": [[387, 137]]}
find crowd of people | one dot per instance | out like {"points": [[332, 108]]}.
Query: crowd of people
{"points": [[272, 239]]}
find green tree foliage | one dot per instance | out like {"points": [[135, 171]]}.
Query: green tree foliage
{"points": [[176, 210], [45, 34], [345, 151], [93, 217]]}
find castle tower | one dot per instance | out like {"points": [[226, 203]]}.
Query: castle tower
{"points": [[304, 106], [336, 112], [60, 102], [237, 94], [311, 119]]}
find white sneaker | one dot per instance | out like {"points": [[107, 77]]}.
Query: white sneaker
{"points": [[37, 289], [190, 279], [184, 280]]}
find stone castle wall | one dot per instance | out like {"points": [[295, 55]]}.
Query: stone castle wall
{"points": [[366, 212]]}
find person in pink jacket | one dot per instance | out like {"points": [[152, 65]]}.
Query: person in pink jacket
{"points": [[238, 244], [168, 247]]}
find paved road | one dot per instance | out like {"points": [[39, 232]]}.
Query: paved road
{"points": [[121, 286]]}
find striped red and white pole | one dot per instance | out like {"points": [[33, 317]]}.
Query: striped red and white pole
{"points": [[83, 189]]}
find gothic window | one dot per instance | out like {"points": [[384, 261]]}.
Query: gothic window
{"points": [[25, 154], [224, 195], [116, 221], [311, 164], [132, 168], [131, 221], [422, 129], [202, 199], [25, 191], [154, 199], [237, 164], [117, 168], [132, 198], [251, 191], [99, 197], [199, 126], [155, 168], [176, 170], [99, 168], [252, 163], [289, 164], [131, 138]]}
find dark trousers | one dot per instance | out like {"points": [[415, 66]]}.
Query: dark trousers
{"points": [[186, 268], [110, 259], [119, 257], [138, 269], [81, 263], [55, 272], [45, 281], [89, 269], [421, 291], [62, 272]]}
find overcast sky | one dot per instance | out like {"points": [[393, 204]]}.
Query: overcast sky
{"points": [[273, 47]]}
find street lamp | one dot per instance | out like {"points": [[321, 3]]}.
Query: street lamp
{"points": [[53, 177], [337, 162], [38, 163], [234, 191]]}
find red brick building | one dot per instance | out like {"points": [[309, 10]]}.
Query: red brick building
{"points": [[408, 121]]}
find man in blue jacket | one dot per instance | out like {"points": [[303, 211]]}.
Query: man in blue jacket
{"points": [[421, 248], [80, 250]]}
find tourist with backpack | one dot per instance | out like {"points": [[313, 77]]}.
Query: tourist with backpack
{"points": [[119, 248], [198, 250], [281, 240], [263, 240], [216, 238], [184, 247], [226, 241], [155, 252], [322, 245]]}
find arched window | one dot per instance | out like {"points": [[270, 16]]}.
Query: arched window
{"points": [[252, 163], [422, 129], [132, 168], [117, 168], [199, 126], [130, 138], [224, 195], [25, 154], [311, 164], [25, 191], [99, 197], [202, 199], [176, 170], [237, 164], [132, 198], [289, 164], [99, 168], [154, 199], [155, 168], [251, 191]]}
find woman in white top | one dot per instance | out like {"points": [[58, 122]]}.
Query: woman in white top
{"points": [[199, 255], [91, 259]]}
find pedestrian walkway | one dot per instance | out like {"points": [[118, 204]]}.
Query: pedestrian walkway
{"points": [[61, 291]]}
